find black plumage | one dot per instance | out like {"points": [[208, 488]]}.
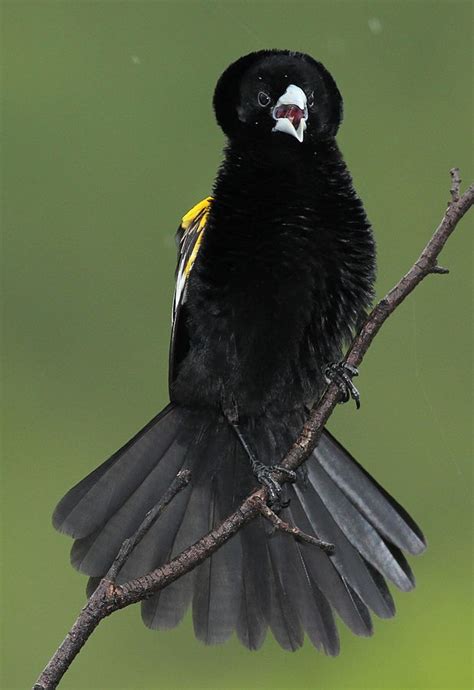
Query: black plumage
{"points": [[275, 272]]}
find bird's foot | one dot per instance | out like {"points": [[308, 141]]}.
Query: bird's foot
{"points": [[342, 374], [265, 475]]}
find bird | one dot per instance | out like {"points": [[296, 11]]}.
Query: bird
{"points": [[275, 274]]}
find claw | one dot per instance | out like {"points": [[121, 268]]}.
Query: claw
{"points": [[342, 375], [264, 475], [289, 474]]}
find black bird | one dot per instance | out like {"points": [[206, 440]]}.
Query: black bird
{"points": [[275, 272]]}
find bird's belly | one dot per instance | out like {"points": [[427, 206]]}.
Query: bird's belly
{"points": [[246, 350]]}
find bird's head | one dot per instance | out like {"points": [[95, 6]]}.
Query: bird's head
{"points": [[278, 96]]}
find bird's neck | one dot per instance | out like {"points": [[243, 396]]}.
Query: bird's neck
{"points": [[257, 179]]}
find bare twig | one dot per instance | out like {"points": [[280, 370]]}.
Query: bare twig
{"points": [[110, 597], [179, 483], [440, 270], [455, 184], [298, 534]]}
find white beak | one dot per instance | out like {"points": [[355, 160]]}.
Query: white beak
{"points": [[291, 109]]}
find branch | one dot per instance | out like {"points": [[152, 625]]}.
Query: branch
{"points": [[110, 597], [298, 534], [455, 184], [100, 603], [179, 483]]}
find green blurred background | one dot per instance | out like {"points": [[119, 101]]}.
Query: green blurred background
{"points": [[110, 138]]}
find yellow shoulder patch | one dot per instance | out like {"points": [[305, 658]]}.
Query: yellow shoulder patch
{"points": [[200, 209], [193, 223]]}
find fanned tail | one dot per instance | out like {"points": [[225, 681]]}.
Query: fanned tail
{"points": [[260, 579]]}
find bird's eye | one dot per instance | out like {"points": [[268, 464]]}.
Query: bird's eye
{"points": [[311, 99], [263, 98]]}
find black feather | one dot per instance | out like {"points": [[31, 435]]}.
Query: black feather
{"points": [[386, 515], [306, 597], [322, 570], [216, 599], [91, 502], [346, 558], [254, 613], [284, 617], [360, 533]]}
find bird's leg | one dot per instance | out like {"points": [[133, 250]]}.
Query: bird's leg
{"points": [[342, 374], [265, 474]]}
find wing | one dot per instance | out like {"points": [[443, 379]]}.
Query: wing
{"points": [[188, 239]]}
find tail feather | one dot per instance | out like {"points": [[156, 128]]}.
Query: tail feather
{"points": [[166, 608], [381, 586], [346, 558], [338, 592], [358, 531], [93, 554], [157, 545], [254, 613], [284, 620], [90, 503], [385, 514], [218, 579], [216, 583], [313, 609], [217, 594], [181, 523], [282, 614], [402, 563], [258, 579], [323, 633]]}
